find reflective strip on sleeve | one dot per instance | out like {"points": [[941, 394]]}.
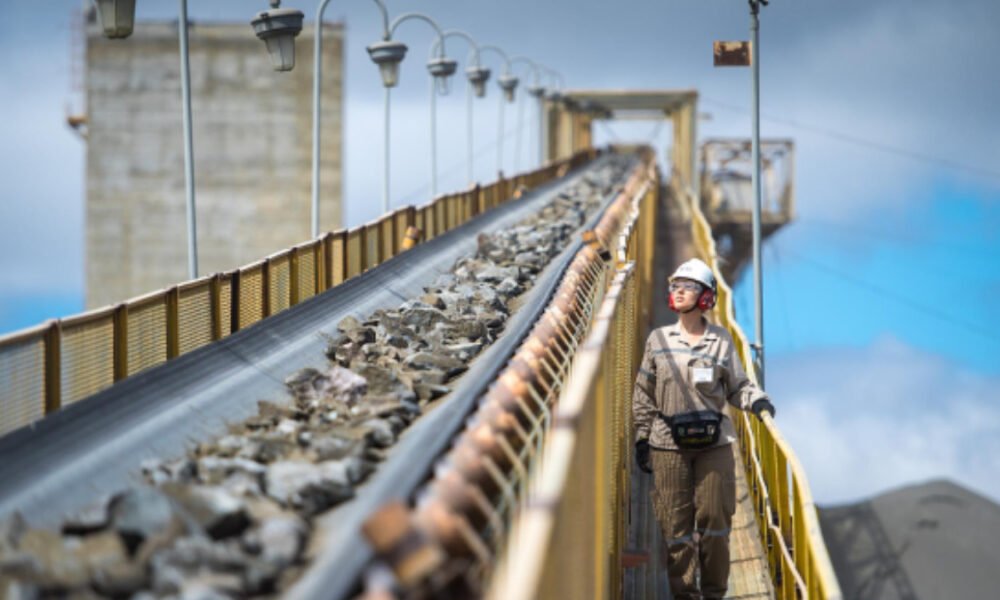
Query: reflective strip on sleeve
{"points": [[716, 532], [680, 541]]}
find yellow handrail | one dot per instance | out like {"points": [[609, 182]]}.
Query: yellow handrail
{"points": [[786, 514], [59, 362], [568, 540]]}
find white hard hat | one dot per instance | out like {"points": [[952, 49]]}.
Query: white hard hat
{"points": [[695, 270]]}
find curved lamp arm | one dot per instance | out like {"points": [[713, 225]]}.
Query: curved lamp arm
{"points": [[473, 46], [321, 8], [385, 18], [439, 43], [536, 72], [556, 76], [495, 49]]}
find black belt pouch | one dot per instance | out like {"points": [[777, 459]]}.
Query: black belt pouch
{"points": [[695, 430]]}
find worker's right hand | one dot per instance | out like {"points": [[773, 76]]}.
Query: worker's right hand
{"points": [[642, 456]]}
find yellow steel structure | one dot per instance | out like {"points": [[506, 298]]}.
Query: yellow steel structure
{"points": [[49, 366]]}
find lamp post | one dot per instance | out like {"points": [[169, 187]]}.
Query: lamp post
{"points": [[118, 21], [317, 115], [182, 27], [758, 282], [508, 83], [387, 54], [441, 68], [477, 76], [535, 90]]}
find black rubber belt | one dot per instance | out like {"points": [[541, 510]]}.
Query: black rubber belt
{"points": [[88, 449], [335, 573]]}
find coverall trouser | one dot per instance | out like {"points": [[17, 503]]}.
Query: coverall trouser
{"points": [[695, 491]]}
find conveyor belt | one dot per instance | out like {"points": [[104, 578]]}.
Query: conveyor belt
{"points": [[95, 447]]}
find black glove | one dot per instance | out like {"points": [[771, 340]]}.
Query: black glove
{"points": [[761, 406], [642, 456]]}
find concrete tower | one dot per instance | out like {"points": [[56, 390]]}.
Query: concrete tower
{"points": [[252, 153]]}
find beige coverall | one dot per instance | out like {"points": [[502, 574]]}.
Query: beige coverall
{"points": [[694, 490]]}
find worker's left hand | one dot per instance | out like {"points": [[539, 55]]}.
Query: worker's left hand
{"points": [[760, 407]]}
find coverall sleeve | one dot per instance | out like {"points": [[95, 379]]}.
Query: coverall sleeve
{"points": [[644, 394], [740, 391]]}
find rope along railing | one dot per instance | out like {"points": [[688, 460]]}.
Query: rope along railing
{"points": [[786, 516], [62, 361], [568, 539]]}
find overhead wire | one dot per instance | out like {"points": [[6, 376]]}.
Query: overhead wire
{"points": [[977, 329], [863, 142]]}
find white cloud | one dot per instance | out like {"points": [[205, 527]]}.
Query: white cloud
{"points": [[866, 420]]}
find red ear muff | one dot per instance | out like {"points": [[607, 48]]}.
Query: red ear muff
{"points": [[670, 302], [706, 300]]}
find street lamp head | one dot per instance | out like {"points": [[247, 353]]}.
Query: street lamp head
{"points": [[478, 76], [536, 91], [441, 68], [117, 17], [508, 83], [278, 27], [387, 54]]}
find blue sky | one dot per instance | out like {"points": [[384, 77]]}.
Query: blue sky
{"points": [[894, 258]]}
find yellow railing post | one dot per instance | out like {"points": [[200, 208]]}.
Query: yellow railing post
{"points": [[120, 352], [293, 277], [53, 368], [215, 295]]}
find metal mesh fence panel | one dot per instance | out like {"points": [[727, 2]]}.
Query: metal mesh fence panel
{"points": [[22, 382], [307, 271], [251, 286], [88, 356], [147, 334], [194, 317], [280, 283], [371, 240], [225, 305]]}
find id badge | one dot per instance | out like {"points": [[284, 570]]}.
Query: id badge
{"points": [[701, 374]]}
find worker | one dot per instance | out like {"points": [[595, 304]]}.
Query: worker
{"points": [[689, 371]]}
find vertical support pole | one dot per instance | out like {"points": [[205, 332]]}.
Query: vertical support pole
{"points": [[468, 134], [120, 347], [293, 277], [215, 296], [434, 174], [385, 166], [317, 80], [500, 135], [192, 227], [520, 132], [234, 301], [265, 289], [173, 322], [53, 367], [326, 254], [540, 105], [758, 283]]}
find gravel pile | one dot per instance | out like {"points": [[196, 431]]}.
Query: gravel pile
{"points": [[234, 516]]}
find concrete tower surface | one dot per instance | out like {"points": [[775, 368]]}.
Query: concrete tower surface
{"points": [[252, 153]]}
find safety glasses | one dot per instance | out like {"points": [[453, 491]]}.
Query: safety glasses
{"points": [[682, 284]]}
